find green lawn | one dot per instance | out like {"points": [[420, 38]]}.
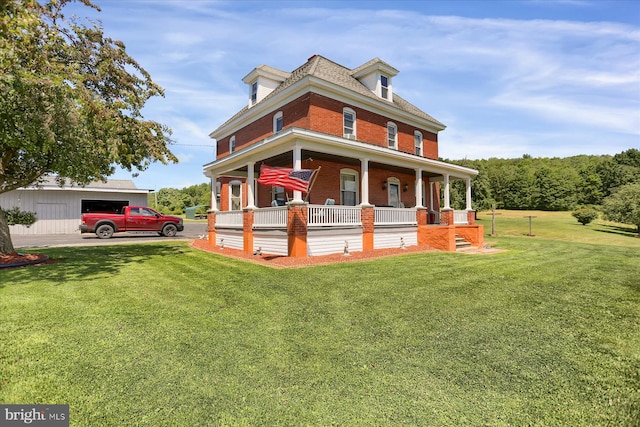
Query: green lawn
{"points": [[547, 333]]}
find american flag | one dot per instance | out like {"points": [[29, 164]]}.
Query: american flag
{"points": [[289, 179]]}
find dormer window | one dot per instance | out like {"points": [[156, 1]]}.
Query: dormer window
{"points": [[254, 92], [384, 87], [349, 121], [232, 144]]}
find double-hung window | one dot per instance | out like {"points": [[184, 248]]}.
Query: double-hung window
{"points": [[392, 135], [349, 123], [348, 187], [235, 195], [232, 144], [417, 136], [277, 122], [384, 87], [254, 93]]}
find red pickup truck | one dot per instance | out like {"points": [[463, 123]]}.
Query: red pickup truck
{"points": [[133, 218]]}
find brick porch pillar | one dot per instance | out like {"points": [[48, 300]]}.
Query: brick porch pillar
{"points": [[211, 227], [367, 216], [297, 227], [471, 217], [422, 220], [446, 216], [247, 230]]}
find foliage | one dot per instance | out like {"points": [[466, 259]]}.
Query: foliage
{"points": [[16, 216], [71, 100], [551, 184], [162, 333], [624, 205], [585, 215], [172, 201]]}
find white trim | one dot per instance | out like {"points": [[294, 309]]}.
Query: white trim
{"points": [[286, 140], [391, 125], [231, 197], [355, 174], [277, 116], [354, 132]]}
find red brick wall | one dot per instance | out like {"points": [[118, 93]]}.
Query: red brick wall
{"points": [[322, 114]]}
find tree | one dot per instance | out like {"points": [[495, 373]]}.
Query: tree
{"points": [[585, 215], [624, 205], [71, 101]]}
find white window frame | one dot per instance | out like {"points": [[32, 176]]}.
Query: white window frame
{"points": [[391, 182], [278, 194], [346, 130], [356, 191], [418, 143], [278, 119], [253, 93], [232, 197], [384, 89], [392, 142], [232, 144]]}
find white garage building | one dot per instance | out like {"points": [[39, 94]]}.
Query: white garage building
{"points": [[58, 209]]}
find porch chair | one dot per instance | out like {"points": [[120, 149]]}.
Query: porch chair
{"points": [[330, 202]]}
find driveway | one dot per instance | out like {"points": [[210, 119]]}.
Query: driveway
{"points": [[192, 230]]}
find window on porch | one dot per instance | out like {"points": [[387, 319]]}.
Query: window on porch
{"points": [[349, 187], [393, 192], [235, 195]]}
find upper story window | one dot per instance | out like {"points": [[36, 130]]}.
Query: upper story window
{"points": [[254, 92], [277, 122], [384, 87], [417, 136], [232, 144], [392, 135], [349, 121]]}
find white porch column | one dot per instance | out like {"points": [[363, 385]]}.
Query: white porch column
{"points": [[364, 182], [297, 165], [214, 191], [446, 192], [469, 194], [419, 188], [251, 186]]}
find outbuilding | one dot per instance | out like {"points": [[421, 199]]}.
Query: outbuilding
{"points": [[58, 209]]}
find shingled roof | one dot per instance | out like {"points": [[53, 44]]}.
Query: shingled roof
{"points": [[322, 68]]}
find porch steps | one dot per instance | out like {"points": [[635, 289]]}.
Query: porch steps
{"points": [[462, 244]]}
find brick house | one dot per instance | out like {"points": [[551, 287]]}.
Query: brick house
{"points": [[380, 182]]}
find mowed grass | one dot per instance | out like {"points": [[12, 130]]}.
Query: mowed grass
{"points": [[545, 334]]}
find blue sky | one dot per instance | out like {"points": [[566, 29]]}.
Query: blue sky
{"points": [[542, 77]]}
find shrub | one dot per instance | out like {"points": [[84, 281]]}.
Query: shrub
{"points": [[16, 216], [585, 215]]}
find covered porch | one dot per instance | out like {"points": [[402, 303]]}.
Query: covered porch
{"points": [[366, 197]]}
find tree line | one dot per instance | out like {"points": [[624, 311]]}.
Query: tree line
{"points": [[549, 184], [172, 201]]}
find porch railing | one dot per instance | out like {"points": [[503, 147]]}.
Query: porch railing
{"points": [[270, 217], [394, 216], [229, 219], [327, 215], [460, 217]]}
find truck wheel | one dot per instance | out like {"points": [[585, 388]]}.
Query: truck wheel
{"points": [[105, 231], [169, 230]]}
